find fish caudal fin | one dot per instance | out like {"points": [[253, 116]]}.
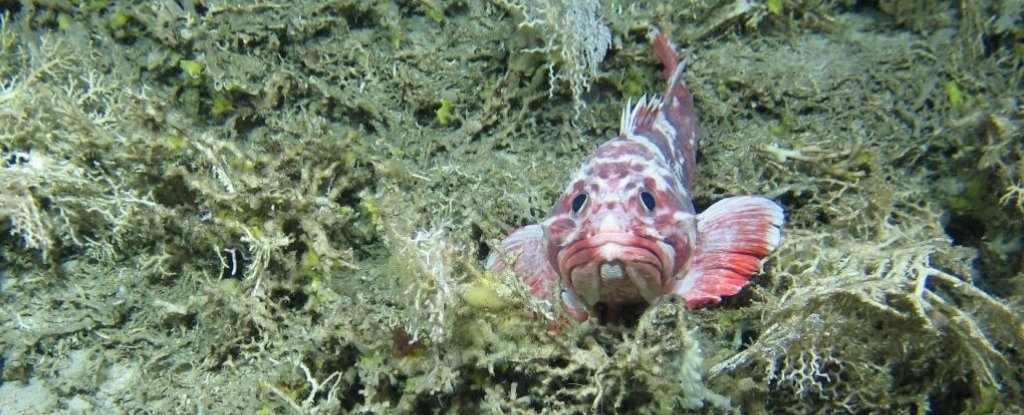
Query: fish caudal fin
{"points": [[733, 236], [527, 245], [666, 53]]}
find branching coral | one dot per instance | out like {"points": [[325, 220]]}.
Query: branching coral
{"points": [[48, 194], [426, 261], [262, 247], [1014, 193], [917, 297], [21, 177], [576, 40], [327, 386], [658, 366]]}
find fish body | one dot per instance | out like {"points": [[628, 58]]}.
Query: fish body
{"points": [[625, 231]]}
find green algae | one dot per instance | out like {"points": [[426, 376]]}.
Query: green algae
{"points": [[266, 200]]}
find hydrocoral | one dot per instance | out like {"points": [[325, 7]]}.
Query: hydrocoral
{"points": [[49, 199], [576, 40], [657, 366], [20, 176], [425, 261], [822, 345]]}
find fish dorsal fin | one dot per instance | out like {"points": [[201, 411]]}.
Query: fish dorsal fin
{"points": [[639, 117], [667, 124], [642, 117]]}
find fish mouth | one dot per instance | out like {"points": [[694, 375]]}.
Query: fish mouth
{"points": [[616, 268]]}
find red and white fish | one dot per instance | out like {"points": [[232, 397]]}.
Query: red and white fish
{"points": [[625, 231]]}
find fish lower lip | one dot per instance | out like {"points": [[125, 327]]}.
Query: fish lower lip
{"points": [[649, 289], [589, 289], [612, 271]]}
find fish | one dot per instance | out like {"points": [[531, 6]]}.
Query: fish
{"points": [[625, 233]]}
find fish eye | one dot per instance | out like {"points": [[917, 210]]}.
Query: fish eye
{"points": [[578, 202], [648, 200]]}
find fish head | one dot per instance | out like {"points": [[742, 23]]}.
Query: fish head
{"points": [[621, 230]]}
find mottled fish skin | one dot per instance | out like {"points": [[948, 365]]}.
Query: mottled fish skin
{"points": [[625, 231]]}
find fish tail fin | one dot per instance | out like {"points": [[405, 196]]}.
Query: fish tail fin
{"points": [[733, 235], [666, 53]]}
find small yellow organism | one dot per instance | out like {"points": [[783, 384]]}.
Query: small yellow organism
{"points": [[480, 294], [444, 112]]}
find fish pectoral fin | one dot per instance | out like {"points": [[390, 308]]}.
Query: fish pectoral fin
{"points": [[733, 235], [528, 246], [574, 306]]}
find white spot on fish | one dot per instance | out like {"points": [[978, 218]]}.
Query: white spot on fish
{"points": [[612, 271]]}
